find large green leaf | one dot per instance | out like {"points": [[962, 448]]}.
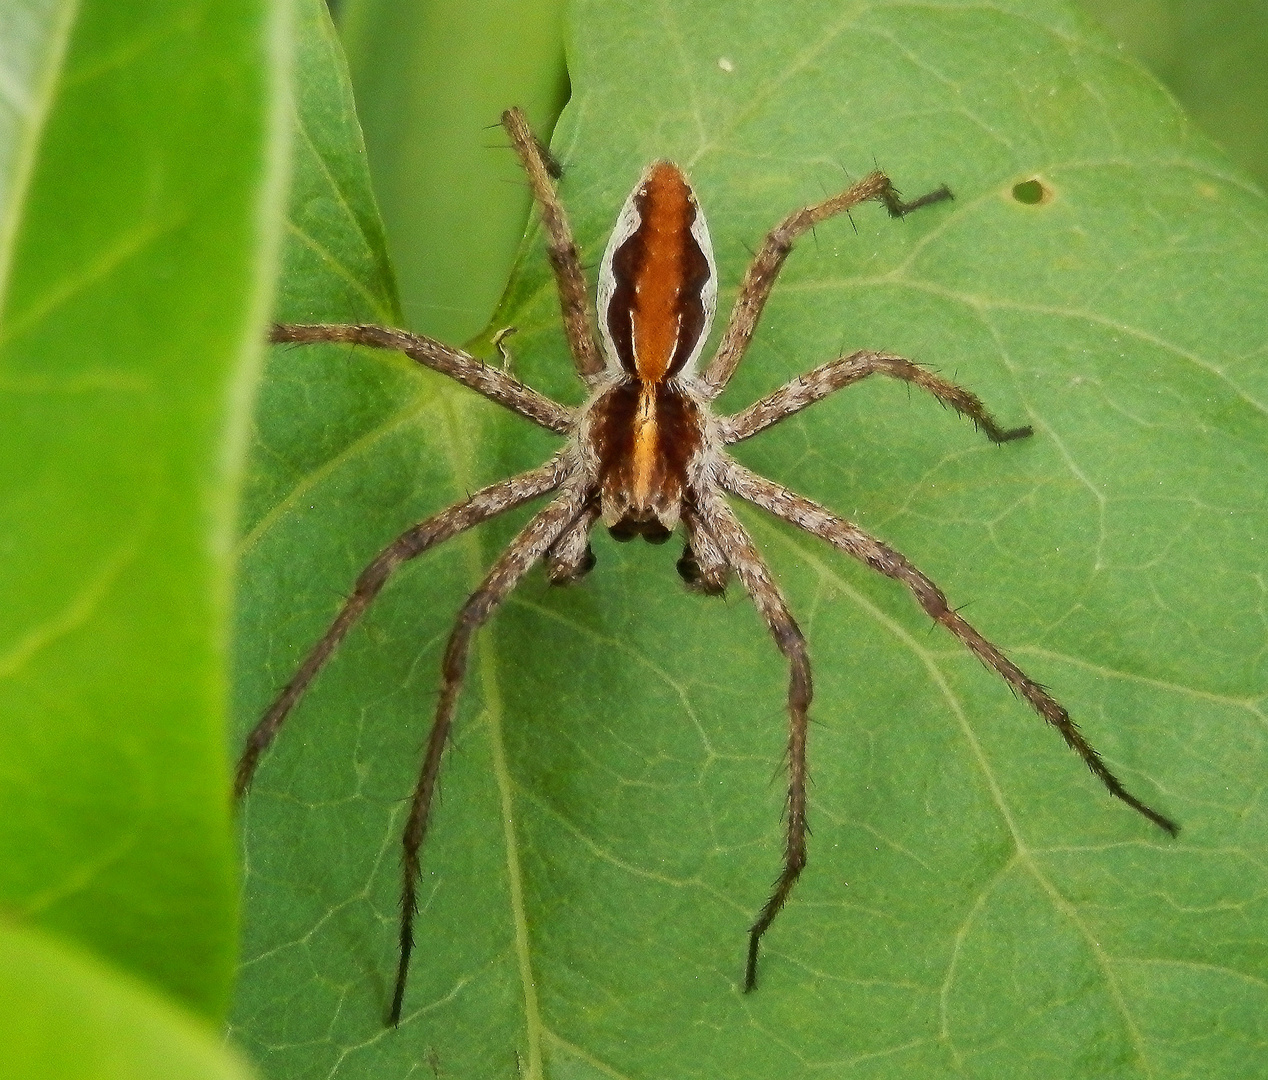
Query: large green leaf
{"points": [[141, 169], [975, 903]]}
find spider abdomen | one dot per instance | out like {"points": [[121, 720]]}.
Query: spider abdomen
{"points": [[645, 437], [658, 284]]}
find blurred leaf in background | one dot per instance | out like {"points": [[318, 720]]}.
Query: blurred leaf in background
{"points": [[66, 1015], [431, 79], [1213, 55], [975, 903]]}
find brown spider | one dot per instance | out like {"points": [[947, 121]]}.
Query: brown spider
{"points": [[646, 452]]}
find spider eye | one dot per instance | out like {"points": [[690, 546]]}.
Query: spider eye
{"points": [[658, 284]]}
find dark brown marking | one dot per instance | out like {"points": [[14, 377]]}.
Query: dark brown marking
{"points": [[656, 314]]}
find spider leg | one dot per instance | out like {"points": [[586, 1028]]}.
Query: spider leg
{"points": [[574, 300], [769, 260], [739, 551], [826, 379], [570, 558], [494, 383], [702, 566], [848, 537], [525, 550], [484, 504]]}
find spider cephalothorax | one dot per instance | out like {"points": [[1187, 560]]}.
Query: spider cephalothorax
{"points": [[645, 454]]}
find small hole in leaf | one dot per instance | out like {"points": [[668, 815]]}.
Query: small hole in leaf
{"points": [[1032, 192]]}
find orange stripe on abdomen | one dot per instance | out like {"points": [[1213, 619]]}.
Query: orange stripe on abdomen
{"points": [[656, 313]]}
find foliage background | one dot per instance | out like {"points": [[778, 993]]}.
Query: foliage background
{"points": [[142, 159]]}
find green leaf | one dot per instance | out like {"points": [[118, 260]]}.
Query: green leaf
{"points": [[64, 1015], [334, 257], [975, 903], [140, 166]]}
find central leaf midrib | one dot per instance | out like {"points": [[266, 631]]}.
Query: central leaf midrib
{"points": [[460, 452]]}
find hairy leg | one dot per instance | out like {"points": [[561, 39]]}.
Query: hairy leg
{"points": [[739, 551], [815, 519], [816, 385], [493, 383], [484, 504], [702, 566], [570, 557], [525, 550], [769, 260], [574, 300]]}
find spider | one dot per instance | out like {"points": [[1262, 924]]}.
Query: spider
{"points": [[645, 454]]}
